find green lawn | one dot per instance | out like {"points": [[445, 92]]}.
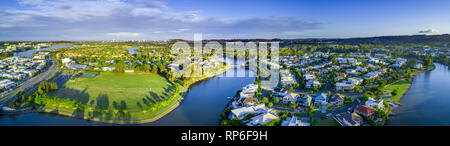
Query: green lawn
{"points": [[326, 122], [140, 95], [401, 87]]}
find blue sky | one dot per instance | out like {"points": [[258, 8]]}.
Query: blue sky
{"points": [[219, 19]]}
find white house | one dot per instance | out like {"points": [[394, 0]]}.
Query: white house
{"points": [[107, 68], [240, 112], [261, 119], [313, 83], [66, 60], [375, 103], [290, 98], [294, 121]]}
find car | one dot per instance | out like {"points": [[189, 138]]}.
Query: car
{"points": [[329, 114], [349, 108]]}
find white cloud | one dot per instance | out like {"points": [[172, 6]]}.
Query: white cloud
{"points": [[6, 25], [179, 30], [145, 12], [79, 19], [428, 31], [124, 34]]}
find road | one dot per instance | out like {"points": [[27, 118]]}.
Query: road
{"points": [[31, 82]]}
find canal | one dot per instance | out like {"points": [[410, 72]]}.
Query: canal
{"points": [[30, 53]]}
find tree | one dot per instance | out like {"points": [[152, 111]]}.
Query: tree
{"points": [[232, 122], [276, 100], [348, 101], [270, 104], [293, 105], [265, 100], [394, 93]]}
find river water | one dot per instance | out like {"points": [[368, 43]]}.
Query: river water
{"points": [[202, 106], [427, 103], [29, 53]]}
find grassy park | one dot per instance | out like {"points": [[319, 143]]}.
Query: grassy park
{"points": [[398, 88], [118, 97]]}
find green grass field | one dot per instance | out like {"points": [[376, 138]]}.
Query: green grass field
{"points": [[401, 87], [326, 122], [140, 95]]}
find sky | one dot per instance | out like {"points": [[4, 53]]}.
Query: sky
{"points": [[219, 19]]}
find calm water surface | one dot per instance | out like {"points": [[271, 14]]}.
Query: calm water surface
{"points": [[29, 53], [427, 102]]}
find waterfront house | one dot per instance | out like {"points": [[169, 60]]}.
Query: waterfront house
{"points": [[249, 101], [255, 109], [365, 110], [375, 103]]}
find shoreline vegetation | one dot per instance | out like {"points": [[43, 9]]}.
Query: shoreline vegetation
{"points": [[174, 104], [409, 84]]}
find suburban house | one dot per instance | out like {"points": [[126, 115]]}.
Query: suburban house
{"points": [[348, 119], [287, 79], [248, 101], [308, 77], [372, 74], [375, 103], [313, 83], [305, 101], [293, 121], [290, 98], [321, 98], [365, 110], [337, 99], [349, 84], [240, 112], [249, 90], [261, 119], [107, 68], [66, 61]]}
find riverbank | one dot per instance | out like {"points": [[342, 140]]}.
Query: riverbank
{"points": [[410, 82], [148, 119], [426, 103]]}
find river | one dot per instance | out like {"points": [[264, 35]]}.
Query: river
{"points": [[427, 103], [30, 53], [202, 106]]}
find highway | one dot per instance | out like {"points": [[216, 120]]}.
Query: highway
{"points": [[30, 83]]}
